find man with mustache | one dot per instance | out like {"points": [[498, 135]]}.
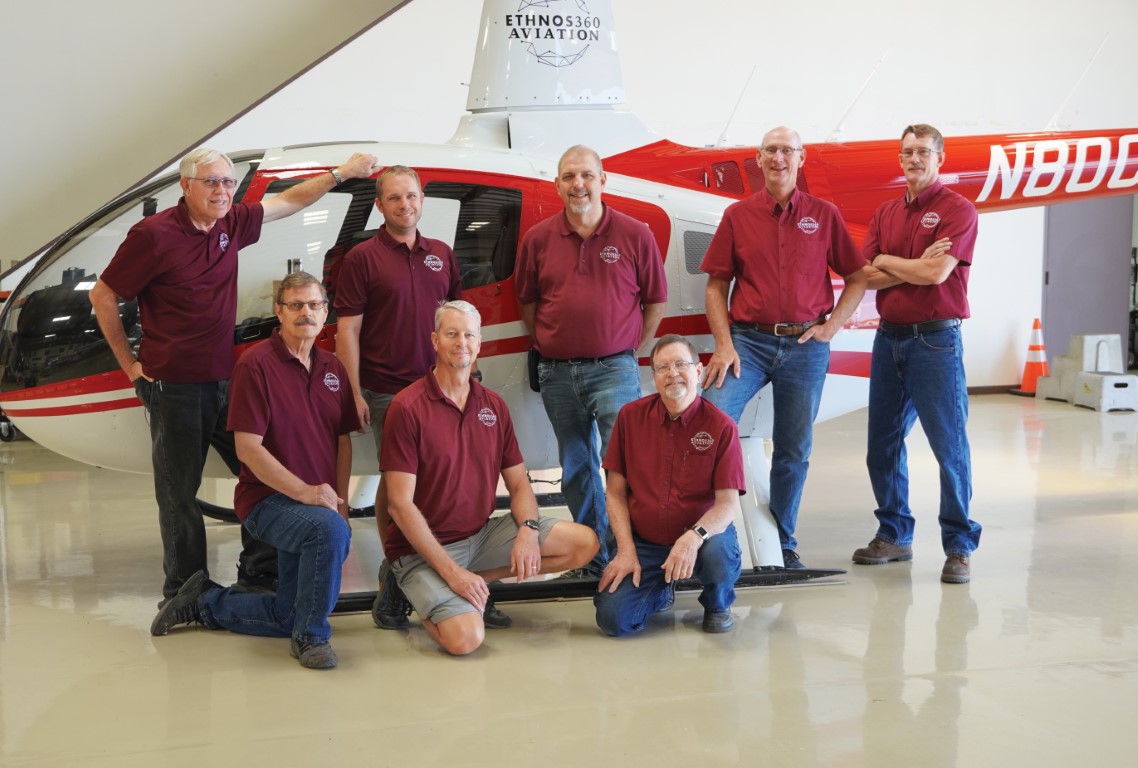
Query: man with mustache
{"points": [[181, 265], [591, 289], [675, 473], [779, 246], [292, 417], [920, 251]]}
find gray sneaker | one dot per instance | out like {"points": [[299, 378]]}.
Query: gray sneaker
{"points": [[879, 552], [313, 655], [182, 608], [390, 609]]}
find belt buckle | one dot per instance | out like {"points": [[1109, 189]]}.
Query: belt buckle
{"points": [[778, 326]]}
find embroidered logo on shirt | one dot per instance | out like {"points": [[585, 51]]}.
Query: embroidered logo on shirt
{"points": [[332, 381], [610, 255], [488, 417], [701, 441], [433, 262], [808, 225], [223, 241], [930, 220]]}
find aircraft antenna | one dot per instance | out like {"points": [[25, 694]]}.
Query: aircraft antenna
{"points": [[723, 136], [1053, 122], [837, 134]]}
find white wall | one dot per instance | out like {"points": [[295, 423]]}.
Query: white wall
{"points": [[969, 67]]}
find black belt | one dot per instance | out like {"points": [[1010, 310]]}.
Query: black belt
{"points": [[782, 329], [916, 329], [578, 360]]}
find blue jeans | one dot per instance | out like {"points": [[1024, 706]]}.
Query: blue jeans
{"points": [[920, 377], [312, 544], [717, 567], [582, 399], [796, 373], [185, 420]]}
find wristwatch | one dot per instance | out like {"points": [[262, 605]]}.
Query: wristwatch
{"points": [[701, 532], [531, 524], [336, 175]]}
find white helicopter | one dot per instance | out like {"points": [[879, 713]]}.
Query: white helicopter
{"points": [[546, 76]]}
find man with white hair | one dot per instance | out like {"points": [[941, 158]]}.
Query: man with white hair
{"points": [[181, 266], [447, 440]]}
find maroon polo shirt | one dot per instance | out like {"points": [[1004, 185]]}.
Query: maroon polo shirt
{"points": [[906, 228], [456, 457], [185, 281], [589, 292], [673, 466], [301, 414], [397, 290], [780, 257]]}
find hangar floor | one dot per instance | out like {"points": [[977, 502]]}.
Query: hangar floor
{"points": [[1033, 663]]}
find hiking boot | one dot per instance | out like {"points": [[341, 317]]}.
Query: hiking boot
{"points": [[716, 622], [493, 618], [390, 609], [182, 608], [956, 570], [313, 655], [790, 560], [879, 552]]}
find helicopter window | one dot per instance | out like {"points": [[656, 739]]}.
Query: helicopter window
{"points": [[727, 177], [485, 228]]}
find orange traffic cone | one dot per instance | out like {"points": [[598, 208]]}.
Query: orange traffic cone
{"points": [[1036, 364]]}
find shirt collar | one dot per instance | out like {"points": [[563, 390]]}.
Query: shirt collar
{"points": [[926, 195], [393, 244], [773, 207], [602, 228], [662, 416]]}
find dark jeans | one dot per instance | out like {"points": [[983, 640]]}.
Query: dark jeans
{"points": [[313, 544], [185, 420]]}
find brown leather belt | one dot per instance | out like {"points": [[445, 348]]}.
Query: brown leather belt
{"points": [[782, 329]]}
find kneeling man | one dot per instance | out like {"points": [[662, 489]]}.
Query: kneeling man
{"points": [[292, 413], [675, 473], [446, 440]]}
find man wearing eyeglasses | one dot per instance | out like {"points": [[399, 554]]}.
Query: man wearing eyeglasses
{"points": [[292, 418], [447, 442], [386, 297], [920, 251], [591, 291], [181, 266], [779, 246], [675, 473]]}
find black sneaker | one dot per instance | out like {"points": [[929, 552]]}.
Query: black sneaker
{"points": [[390, 609], [493, 618], [579, 573], [716, 622], [313, 655], [182, 608], [791, 560], [248, 581]]}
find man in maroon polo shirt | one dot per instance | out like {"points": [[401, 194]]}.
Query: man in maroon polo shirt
{"points": [[292, 418], [386, 296], [591, 289], [675, 473], [181, 265], [779, 246], [920, 252], [447, 441]]}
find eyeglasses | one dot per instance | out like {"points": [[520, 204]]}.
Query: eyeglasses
{"points": [[784, 151], [680, 366], [296, 306], [214, 182], [921, 152]]}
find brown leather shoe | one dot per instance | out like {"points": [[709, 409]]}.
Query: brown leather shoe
{"points": [[879, 552], [956, 570]]}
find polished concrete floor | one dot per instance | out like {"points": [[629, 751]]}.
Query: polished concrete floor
{"points": [[1034, 663]]}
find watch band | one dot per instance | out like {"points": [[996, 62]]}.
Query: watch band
{"points": [[701, 532], [531, 524], [336, 175]]}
